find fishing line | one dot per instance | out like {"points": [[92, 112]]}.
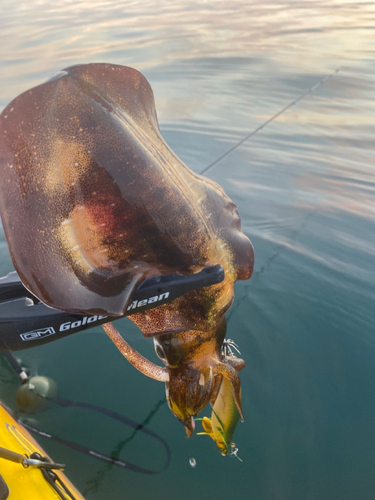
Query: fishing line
{"points": [[248, 136]]}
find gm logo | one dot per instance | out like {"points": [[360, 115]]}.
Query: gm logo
{"points": [[37, 334]]}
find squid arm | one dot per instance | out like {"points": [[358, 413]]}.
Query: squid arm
{"points": [[137, 360]]}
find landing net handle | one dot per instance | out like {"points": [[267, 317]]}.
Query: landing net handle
{"points": [[26, 322]]}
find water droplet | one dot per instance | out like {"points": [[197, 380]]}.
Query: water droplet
{"points": [[192, 462]]}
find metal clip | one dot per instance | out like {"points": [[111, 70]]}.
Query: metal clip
{"points": [[36, 460], [40, 464]]}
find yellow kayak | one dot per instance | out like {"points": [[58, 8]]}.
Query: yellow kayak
{"points": [[18, 481]]}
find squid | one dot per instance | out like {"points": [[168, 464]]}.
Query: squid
{"points": [[93, 202]]}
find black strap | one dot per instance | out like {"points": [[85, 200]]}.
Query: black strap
{"points": [[53, 479], [102, 456], [127, 421], [57, 484]]}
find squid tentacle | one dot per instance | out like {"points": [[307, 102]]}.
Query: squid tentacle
{"points": [[215, 391], [209, 385], [137, 360]]}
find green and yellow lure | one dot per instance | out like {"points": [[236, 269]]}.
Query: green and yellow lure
{"points": [[223, 422]]}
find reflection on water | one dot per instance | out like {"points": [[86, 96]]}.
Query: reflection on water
{"points": [[304, 186]]}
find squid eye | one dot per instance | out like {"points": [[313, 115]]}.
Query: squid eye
{"points": [[159, 351]]}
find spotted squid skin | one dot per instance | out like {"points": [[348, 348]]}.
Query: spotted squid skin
{"points": [[93, 202]]}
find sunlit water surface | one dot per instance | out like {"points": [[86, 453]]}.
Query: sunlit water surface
{"points": [[305, 189]]}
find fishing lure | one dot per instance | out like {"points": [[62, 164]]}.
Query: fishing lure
{"points": [[225, 415], [94, 202]]}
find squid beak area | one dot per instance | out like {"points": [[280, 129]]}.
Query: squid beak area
{"points": [[189, 424]]}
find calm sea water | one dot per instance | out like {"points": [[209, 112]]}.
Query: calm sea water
{"points": [[305, 189]]}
